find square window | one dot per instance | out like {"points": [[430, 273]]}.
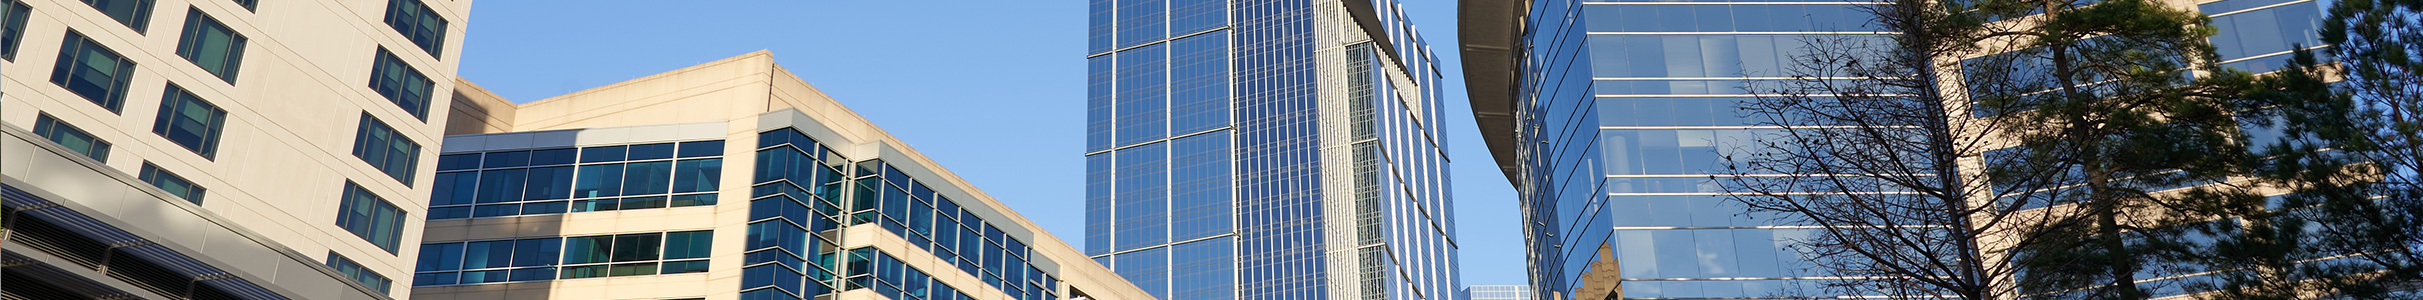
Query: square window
{"points": [[417, 22], [396, 80], [211, 45], [68, 136], [93, 72], [133, 13], [175, 185], [249, 4], [384, 148], [188, 121], [12, 27]]}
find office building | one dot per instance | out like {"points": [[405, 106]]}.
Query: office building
{"points": [[1255, 149], [732, 179], [218, 149], [1497, 292], [1609, 118]]}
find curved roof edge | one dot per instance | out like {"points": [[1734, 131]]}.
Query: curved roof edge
{"points": [[1487, 31]]}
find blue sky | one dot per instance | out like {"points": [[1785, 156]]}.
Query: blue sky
{"points": [[994, 90]]}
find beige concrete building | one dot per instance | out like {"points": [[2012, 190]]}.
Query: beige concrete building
{"points": [[731, 179], [219, 149]]}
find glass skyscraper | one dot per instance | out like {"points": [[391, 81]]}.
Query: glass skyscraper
{"points": [[1610, 116], [1266, 149]]}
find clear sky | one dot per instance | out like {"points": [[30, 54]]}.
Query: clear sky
{"points": [[994, 90]]}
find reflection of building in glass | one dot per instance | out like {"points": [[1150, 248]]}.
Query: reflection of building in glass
{"points": [[1497, 292], [730, 179], [218, 149], [1291, 151], [1609, 117]]}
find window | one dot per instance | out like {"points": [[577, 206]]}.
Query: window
{"points": [[211, 45], [386, 149], [91, 71], [70, 137], [175, 185], [133, 13], [249, 4], [189, 121], [419, 23], [370, 217], [358, 273], [12, 27], [587, 179], [537, 259], [400, 83]]}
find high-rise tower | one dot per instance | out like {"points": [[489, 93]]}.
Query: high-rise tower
{"points": [[1266, 149], [1611, 116]]}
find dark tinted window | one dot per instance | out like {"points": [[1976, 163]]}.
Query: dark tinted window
{"points": [[12, 27], [419, 23], [68, 136], [133, 13], [370, 217], [211, 45], [384, 148], [175, 185], [189, 121], [401, 84], [91, 71], [651, 151]]}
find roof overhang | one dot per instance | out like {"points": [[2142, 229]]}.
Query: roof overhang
{"points": [[1488, 31]]}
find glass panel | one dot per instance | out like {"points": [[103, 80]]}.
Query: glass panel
{"points": [[599, 181], [698, 175], [647, 178], [637, 247]]}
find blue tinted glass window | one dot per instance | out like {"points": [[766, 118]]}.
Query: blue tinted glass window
{"points": [[647, 178], [502, 185], [76, 140], [92, 71], [1098, 102], [507, 159], [548, 183], [400, 83], [697, 175], [553, 156], [195, 124], [1142, 201], [370, 217], [455, 188], [702, 149], [458, 162], [1141, 21], [1142, 100], [12, 27], [1198, 71], [598, 181], [652, 151], [211, 45], [603, 154], [1200, 189], [1191, 16], [418, 23]]}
